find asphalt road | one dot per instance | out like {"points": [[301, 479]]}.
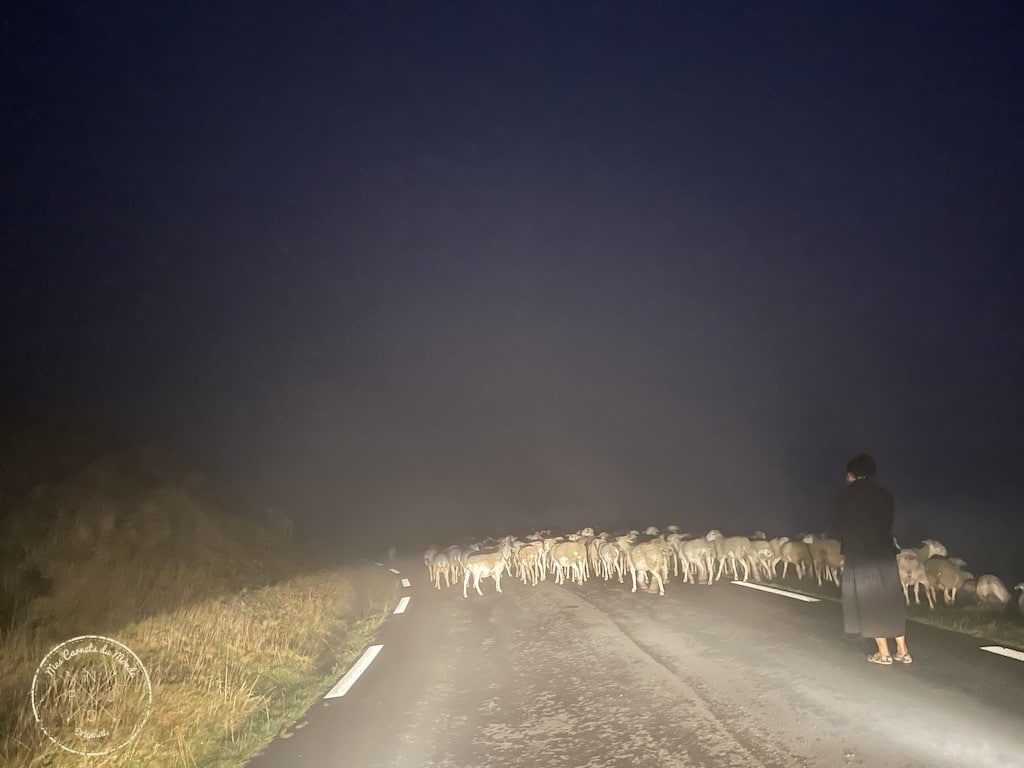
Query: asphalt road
{"points": [[704, 676]]}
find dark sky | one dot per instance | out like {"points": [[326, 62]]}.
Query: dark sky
{"points": [[530, 263]]}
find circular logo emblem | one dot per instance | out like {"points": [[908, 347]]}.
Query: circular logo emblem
{"points": [[91, 695]]}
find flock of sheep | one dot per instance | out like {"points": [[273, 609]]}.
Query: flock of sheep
{"points": [[648, 557]]}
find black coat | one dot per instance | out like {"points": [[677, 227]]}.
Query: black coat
{"points": [[864, 519], [872, 596]]}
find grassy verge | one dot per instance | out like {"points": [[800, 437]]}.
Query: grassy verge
{"points": [[1001, 625], [995, 625], [238, 630], [227, 674]]}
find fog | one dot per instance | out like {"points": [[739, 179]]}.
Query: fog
{"points": [[428, 275]]}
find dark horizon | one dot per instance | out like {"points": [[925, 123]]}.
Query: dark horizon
{"points": [[433, 269]]}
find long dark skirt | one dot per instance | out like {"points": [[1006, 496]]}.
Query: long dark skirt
{"points": [[872, 597]]}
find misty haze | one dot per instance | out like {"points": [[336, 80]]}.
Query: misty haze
{"points": [[291, 291]]}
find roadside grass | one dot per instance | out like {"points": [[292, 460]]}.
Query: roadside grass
{"points": [[1001, 625], [228, 674], [240, 631]]}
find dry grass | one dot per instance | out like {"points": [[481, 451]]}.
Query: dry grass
{"points": [[237, 639], [226, 674]]}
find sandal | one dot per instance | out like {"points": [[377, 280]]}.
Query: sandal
{"points": [[903, 658], [877, 658]]}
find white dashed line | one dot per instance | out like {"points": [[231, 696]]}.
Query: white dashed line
{"points": [[1008, 652], [402, 604], [380, 564], [405, 583], [346, 682], [774, 591], [394, 571]]}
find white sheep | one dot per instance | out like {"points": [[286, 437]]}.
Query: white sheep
{"points": [[697, 555], [990, 589], [456, 562], [571, 556], [931, 548], [797, 554], [611, 559], [482, 564], [428, 560], [825, 558], [734, 551], [913, 576], [946, 576], [527, 559], [675, 546], [764, 558], [648, 557], [441, 566]]}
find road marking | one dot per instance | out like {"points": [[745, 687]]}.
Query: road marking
{"points": [[346, 682], [405, 583], [380, 564], [1008, 652], [400, 608], [394, 571], [774, 591]]}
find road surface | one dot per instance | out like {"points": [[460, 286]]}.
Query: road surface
{"points": [[705, 676]]}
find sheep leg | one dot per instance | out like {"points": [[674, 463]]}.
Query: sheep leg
{"points": [[721, 567]]}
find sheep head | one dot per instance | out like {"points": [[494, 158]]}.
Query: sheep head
{"points": [[931, 548]]}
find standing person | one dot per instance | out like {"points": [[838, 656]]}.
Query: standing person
{"points": [[872, 596]]}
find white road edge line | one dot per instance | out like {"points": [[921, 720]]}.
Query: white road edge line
{"points": [[775, 591], [394, 571], [405, 583], [1008, 652], [346, 682], [402, 605]]}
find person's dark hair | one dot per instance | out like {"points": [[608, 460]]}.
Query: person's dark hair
{"points": [[862, 467]]}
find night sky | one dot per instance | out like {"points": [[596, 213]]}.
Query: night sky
{"points": [[486, 267]]}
